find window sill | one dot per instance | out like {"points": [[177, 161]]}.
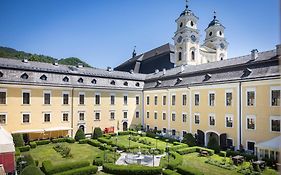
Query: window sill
{"points": [[25, 123], [97, 120], [4, 104], [25, 104]]}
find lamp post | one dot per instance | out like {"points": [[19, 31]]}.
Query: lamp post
{"points": [[156, 140]]}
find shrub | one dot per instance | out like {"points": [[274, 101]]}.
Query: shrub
{"points": [[105, 140], [70, 140], [83, 141], [99, 159], [79, 135], [59, 140], [124, 133], [222, 154], [17, 151], [247, 157], [29, 159], [176, 161], [177, 147], [189, 139], [187, 150], [32, 145], [210, 151], [31, 169], [221, 164], [48, 168], [42, 142], [80, 171], [18, 140], [188, 170], [213, 144], [94, 143], [24, 148], [170, 172], [97, 133], [63, 149], [131, 169]]}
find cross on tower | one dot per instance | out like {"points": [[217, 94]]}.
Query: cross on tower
{"points": [[215, 14], [186, 3]]}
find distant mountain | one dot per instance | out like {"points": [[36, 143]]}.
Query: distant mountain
{"points": [[7, 52]]}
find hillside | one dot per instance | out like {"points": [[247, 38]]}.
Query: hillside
{"points": [[7, 52]]}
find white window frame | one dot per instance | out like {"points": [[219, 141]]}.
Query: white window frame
{"points": [[272, 88], [229, 116], [147, 97], [251, 90], [164, 112], [125, 95], [6, 100], [211, 92], [137, 96], [123, 114], [249, 117], [172, 116], [114, 95], [185, 99], [155, 97], [79, 112], [184, 113], [47, 92], [44, 117], [274, 118], [6, 118], [195, 120], [196, 93], [137, 111], [165, 130], [62, 94], [26, 91], [250, 141], [173, 95], [228, 91], [148, 114], [155, 112], [230, 138], [64, 112], [99, 94], [212, 115], [112, 111], [163, 100], [97, 111], [81, 93], [22, 118], [182, 132]]}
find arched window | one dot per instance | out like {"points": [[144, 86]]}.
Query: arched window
{"points": [[211, 33], [137, 84], [112, 82], [1, 74], [180, 56], [221, 56], [191, 23], [192, 55], [80, 80], [24, 76], [43, 77], [94, 81], [65, 79], [125, 83]]}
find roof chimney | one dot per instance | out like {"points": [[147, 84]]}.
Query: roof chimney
{"points": [[80, 65], [156, 71], [25, 60], [56, 62], [164, 71], [278, 50], [134, 54], [254, 54]]}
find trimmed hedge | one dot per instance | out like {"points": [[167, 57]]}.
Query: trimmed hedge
{"points": [[42, 142], [70, 140], [48, 168], [178, 146], [80, 171], [31, 169], [195, 149], [83, 141], [188, 170], [24, 148], [94, 143], [222, 154], [32, 145], [174, 163], [131, 169], [170, 172]]}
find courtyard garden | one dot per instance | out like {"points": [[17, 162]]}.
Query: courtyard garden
{"points": [[83, 156]]}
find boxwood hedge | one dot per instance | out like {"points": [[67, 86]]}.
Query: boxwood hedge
{"points": [[188, 170], [42, 142], [80, 171], [170, 172], [24, 148], [131, 169], [176, 161], [32, 144], [195, 149]]}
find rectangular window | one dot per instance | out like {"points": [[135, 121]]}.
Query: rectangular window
{"points": [[212, 120], [65, 98], [184, 133], [228, 99], [164, 130], [147, 114], [196, 99], [47, 98], [196, 119], [3, 97], [25, 118], [47, 117], [164, 116], [211, 99], [184, 118], [155, 128], [3, 119], [125, 114], [112, 99], [147, 100], [137, 114], [137, 100], [26, 98], [97, 115], [112, 115], [147, 127], [65, 117], [155, 100], [173, 100], [275, 98], [275, 124], [184, 99], [155, 115], [251, 146], [251, 122], [164, 99], [173, 132], [97, 101], [125, 99], [81, 98], [81, 116], [229, 121], [173, 116], [250, 98], [229, 143]]}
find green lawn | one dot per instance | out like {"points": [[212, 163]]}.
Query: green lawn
{"points": [[79, 152]]}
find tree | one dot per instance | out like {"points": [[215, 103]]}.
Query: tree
{"points": [[189, 139], [97, 133], [213, 144], [79, 134], [18, 140]]}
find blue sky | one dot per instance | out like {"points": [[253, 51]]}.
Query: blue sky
{"points": [[104, 32]]}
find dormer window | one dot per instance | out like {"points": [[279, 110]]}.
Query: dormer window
{"points": [[1, 74], [179, 80], [112, 82], [80, 80], [43, 77], [138, 84], [191, 23], [94, 81], [125, 83], [65, 79], [246, 72], [159, 82], [24, 76], [207, 77]]}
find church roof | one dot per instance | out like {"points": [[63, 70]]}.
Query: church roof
{"points": [[215, 22]]}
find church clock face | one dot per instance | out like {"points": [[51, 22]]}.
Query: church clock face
{"points": [[222, 45], [179, 40], [193, 38]]}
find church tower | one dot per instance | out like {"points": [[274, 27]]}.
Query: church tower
{"points": [[186, 39], [215, 39]]}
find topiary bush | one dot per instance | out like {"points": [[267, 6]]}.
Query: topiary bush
{"points": [[70, 140], [24, 148], [131, 169], [18, 140], [97, 133], [213, 144], [79, 135], [31, 169], [48, 168], [189, 139]]}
